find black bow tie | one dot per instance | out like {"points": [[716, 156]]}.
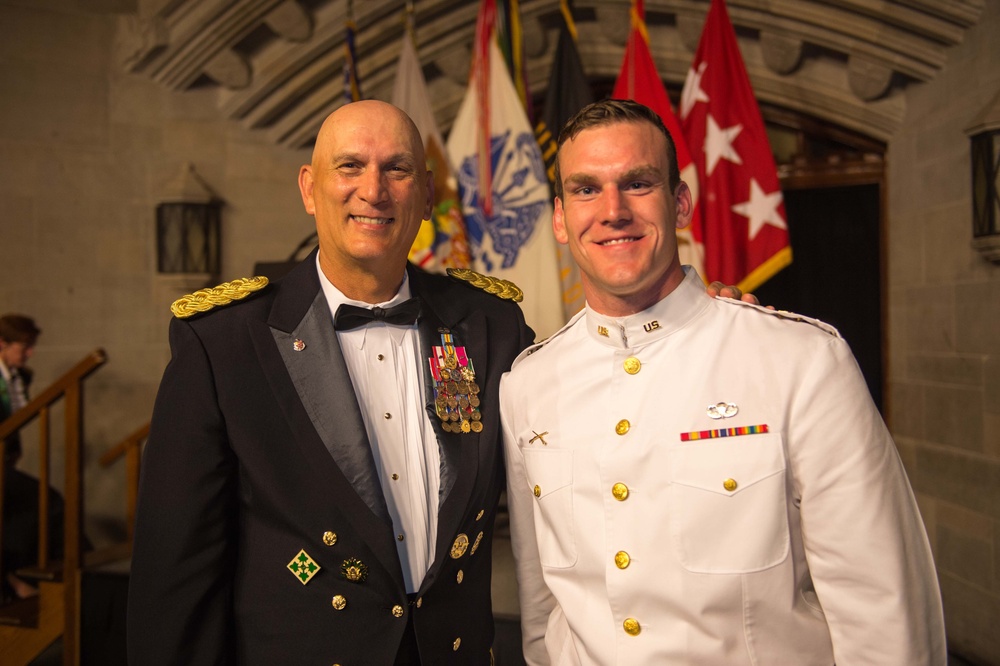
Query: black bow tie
{"points": [[350, 316]]}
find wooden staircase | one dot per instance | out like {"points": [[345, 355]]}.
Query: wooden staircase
{"points": [[29, 626]]}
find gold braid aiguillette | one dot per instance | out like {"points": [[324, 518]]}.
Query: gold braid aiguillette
{"points": [[204, 300], [505, 289]]}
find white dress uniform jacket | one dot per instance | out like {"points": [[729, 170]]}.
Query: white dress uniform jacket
{"points": [[642, 539]]}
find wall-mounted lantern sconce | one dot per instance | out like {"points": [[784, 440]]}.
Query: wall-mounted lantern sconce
{"points": [[984, 134], [188, 226]]}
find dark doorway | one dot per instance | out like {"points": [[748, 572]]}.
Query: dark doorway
{"points": [[835, 274]]}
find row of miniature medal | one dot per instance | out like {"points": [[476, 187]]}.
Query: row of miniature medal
{"points": [[456, 398]]}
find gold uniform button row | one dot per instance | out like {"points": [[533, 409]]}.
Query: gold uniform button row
{"points": [[339, 602], [397, 611], [620, 492], [622, 559], [631, 626], [330, 538]]}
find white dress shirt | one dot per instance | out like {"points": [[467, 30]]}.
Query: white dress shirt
{"points": [[387, 373]]}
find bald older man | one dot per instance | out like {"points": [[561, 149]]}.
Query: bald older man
{"points": [[324, 461]]}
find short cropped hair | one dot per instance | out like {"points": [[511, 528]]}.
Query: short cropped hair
{"points": [[18, 328], [609, 112]]}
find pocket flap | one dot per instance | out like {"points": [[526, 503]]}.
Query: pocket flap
{"points": [[548, 470], [728, 466]]}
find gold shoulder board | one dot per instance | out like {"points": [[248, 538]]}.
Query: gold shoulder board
{"points": [[204, 300], [505, 289]]}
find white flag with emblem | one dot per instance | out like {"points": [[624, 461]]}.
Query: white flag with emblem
{"points": [[509, 231]]}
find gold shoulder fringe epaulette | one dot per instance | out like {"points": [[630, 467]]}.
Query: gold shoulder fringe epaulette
{"points": [[505, 289], [204, 300]]}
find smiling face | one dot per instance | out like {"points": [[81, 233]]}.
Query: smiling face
{"points": [[618, 215], [369, 188]]}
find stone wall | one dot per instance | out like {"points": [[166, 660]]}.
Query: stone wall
{"points": [[944, 338], [86, 152]]}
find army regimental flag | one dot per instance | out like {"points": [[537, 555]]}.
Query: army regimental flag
{"points": [[745, 233], [502, 181], [639, 81], [441, 242], [568, 92], [352, 83]]}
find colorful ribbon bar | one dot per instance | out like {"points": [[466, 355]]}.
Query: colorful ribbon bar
{"points": [[723, 432]]}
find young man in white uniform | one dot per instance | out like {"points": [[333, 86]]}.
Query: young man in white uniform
{"points": [[698, 481]]}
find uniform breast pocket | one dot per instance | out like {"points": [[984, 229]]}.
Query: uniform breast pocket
{"points": [[728, 504], [550, 479]]}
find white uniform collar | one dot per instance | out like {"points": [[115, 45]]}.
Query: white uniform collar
{"points": [[670, 314]]}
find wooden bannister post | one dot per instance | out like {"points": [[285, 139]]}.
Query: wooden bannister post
{"points": [[43, 488], [131, 448], [73, 524]]}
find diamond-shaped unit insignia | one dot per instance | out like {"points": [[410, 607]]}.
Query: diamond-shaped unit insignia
{"points": [[303, 567]]}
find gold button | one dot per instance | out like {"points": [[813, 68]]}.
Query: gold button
{"points": [[460, 546], [399, 537], [397, 611], [632, 365], [622, 426], [395, 477], [480, 514], [339, 602], [622, 559], [632, 627], [620, 491], [538, 491], [460, 577], [729, 484], [457, 644], [420, 602], [329, 538]]}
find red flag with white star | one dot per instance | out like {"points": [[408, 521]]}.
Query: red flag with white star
{"points": [[743, 212], [638, 80]]}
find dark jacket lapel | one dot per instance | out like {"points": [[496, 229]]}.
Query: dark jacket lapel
{"points": [[314, 391]]}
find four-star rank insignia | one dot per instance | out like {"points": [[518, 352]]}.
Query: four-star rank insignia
{"points": [[303, 567], [456, 393]]}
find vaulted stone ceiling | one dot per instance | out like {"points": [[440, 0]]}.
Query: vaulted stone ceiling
{"points": [[278, 64]]}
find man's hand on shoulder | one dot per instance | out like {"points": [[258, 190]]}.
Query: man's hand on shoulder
{"points": [[731, 291]]}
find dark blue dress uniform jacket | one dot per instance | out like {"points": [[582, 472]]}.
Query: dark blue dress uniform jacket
{"points": [[257, 451]]}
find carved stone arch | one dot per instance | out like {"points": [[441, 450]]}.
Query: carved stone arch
{"points": [[279, 63]]}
